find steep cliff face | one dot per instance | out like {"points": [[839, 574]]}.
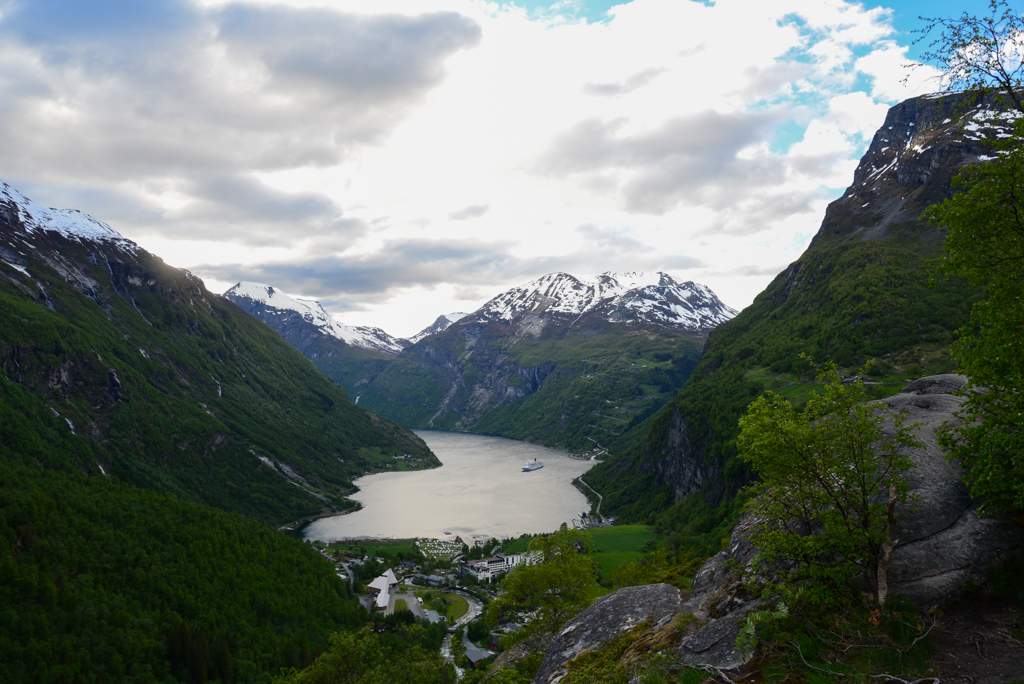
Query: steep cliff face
{"points": [[859, 292], [572, 362], [116, 363]]}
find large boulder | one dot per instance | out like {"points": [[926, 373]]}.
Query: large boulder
{"points": [[942, 543], [607, 618]]}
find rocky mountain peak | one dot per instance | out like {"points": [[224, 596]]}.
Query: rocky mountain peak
{"points": [[37, 220], [911, 161], [633, 298], [279, 310], [440, 324]]}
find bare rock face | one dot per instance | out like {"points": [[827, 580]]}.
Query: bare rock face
{"points": [[721, 602], [942, 543], [610, 616]]}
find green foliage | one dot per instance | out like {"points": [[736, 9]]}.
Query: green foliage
{"points": [[548, 593], [746, 640], [364, 658], [985, 245], [477, 631], [457, 648], [857, 642], [659, 566], [179, 391], [981, 55], [830, 480], [696, 529], [102, 580]]}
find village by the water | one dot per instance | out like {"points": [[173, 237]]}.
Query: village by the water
{"points": [[445, 581]]}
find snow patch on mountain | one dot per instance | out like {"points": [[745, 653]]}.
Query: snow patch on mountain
{"points": [[313, 312], [443, 322], [70, 223], [634, 296]]}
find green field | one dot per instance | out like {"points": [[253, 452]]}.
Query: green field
{"points": [[616, 546], [613, 546], [400, 604], [460, 606]]}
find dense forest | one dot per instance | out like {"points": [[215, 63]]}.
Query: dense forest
{"points": [[105, 581]]}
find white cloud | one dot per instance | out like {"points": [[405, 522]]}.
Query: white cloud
{"points": [[395, 156]]}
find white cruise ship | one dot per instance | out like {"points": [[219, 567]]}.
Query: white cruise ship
{"points": [[532, 465]]}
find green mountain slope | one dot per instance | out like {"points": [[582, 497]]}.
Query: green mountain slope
{"points": [[577, 363], [584, 391], [860, 292], [114, 361]]}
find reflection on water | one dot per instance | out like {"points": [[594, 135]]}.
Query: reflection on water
{"points": [[479, 492]]}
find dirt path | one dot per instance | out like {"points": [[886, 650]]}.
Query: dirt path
{"points": [[976, 646]]}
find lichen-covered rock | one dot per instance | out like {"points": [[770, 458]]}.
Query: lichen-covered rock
{"points": [[609, 617], [721, 602], [942, 541]]}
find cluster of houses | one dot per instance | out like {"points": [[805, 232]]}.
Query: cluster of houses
{"points": [[486, 569]]}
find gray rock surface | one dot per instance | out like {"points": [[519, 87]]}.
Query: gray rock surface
{"points": [[610, 616], [720, 601], [942, 544]]}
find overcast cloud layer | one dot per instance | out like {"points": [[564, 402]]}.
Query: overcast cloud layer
{"points": [[400, 159]]}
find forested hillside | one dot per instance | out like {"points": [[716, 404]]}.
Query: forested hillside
{"points": [[863, 291], [115, 362], [109, 582]]}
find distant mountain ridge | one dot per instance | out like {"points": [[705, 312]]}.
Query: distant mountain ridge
{"points": [[440, 324], [574, 362], [632, 298], [252, 296]]}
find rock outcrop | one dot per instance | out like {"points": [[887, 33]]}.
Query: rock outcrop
{"points": [[942, 541], [942, 544], [609, 617]]}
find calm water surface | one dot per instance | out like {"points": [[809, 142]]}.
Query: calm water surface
{"points": [[479, 492]]}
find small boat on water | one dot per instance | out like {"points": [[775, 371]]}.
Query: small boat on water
{"points": [[532, 465]]}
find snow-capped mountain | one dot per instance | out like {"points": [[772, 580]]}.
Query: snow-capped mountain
{"points": [[632, 298], [69, 223], [273, 307], [442, 323]]}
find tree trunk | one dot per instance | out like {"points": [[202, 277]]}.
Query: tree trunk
{"points": [[882, 588]]}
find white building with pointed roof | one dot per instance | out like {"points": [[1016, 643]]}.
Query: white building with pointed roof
{"points": [[383, 587]]}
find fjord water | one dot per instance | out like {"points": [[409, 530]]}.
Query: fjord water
{"points": [[480, 491]]}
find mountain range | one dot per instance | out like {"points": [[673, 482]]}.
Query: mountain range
{"points": [[121, 374], [522, 351]]}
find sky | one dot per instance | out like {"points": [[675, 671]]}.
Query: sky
{"points": [[402, 159]]}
